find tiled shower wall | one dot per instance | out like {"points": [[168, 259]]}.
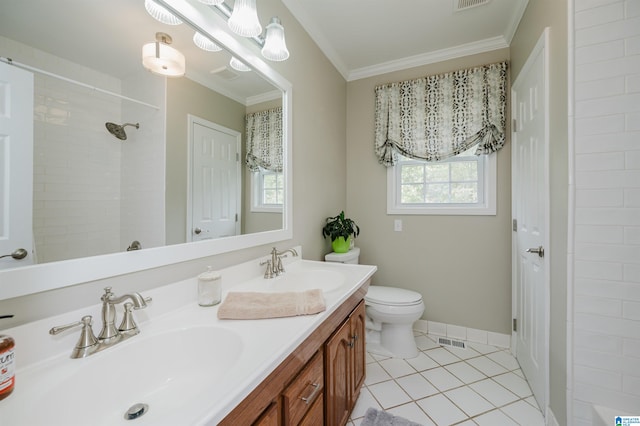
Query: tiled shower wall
{"points": [[606, 267], [93, 194]]}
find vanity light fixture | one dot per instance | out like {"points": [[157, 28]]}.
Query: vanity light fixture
{"points": [[160, 13], [160, 58], [204, 43], [275, 48], [244, 19], [238, 65], [212, 2]]}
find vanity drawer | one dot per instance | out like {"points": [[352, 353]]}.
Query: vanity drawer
{"points": [[299, 397]]}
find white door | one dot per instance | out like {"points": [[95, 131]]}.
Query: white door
{"points": [[215, 181], [530, 197], [16, 164]]}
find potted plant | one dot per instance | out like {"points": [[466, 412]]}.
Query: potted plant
{"points": [[340, 229]]}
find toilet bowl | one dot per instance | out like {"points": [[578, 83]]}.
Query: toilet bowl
{"points": [[391, 313]]}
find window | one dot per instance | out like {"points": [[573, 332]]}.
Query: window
{"points": [[464, 184], [268, 191]]}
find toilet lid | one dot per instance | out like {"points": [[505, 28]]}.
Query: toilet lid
{"points": [[392, 296]]}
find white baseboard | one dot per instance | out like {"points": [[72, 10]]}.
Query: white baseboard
{"points": [[463, 333]]}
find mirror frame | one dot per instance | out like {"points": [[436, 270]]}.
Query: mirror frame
{"points": [[21, 281]]}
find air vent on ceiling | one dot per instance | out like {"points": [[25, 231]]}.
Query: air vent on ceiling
{"points": [[225, 73], [459, 5]]}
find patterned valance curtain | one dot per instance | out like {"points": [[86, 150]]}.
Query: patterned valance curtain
{"points": [[264, 140], [441, 116]]}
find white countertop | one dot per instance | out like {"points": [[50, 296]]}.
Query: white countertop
{"points": [[43, 360]]}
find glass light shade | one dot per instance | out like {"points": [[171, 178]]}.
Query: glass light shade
{"points": [[212, 2], [238, 65], [160, 13], [244, 19], [160, 58], [275, 47], [204, 43]]}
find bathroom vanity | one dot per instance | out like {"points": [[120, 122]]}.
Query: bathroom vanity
{"points": [[189, 367]]}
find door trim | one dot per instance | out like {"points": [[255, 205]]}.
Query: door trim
{"points": [[193, 119], [541, 47]]}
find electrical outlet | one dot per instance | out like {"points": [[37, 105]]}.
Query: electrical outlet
{"points": [[397, 225]]}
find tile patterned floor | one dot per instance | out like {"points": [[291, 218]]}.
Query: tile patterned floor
{"points": [[481, 385]]}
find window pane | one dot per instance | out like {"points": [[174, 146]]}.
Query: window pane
{"points": [[438, 193], [412, 173], [438, 172], [464, 192], [270, 196], [464, 171], [270, 181], [411, 194]]}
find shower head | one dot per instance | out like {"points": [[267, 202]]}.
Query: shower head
{"points": [[117, 130]]}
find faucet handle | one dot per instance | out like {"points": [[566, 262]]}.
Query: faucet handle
{"points": [[87, 343], [128, 325]]}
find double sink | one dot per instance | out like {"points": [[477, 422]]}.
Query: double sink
{"points": [[185, 367]]}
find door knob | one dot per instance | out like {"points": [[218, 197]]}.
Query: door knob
{"points": [[539, 250], [197, 231], [17, 254]]}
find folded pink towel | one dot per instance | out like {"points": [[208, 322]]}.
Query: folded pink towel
{"points": [[254, 305]]}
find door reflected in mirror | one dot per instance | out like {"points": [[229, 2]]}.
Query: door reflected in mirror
{"points": [[115, 147]]}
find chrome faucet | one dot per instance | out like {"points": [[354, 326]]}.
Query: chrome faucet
{"points": [[88, 343], [274, 265]]}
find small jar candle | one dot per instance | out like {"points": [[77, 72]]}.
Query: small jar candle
{"points": [[209, 287]]}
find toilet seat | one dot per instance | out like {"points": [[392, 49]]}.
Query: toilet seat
{"points": [[392, 296]]}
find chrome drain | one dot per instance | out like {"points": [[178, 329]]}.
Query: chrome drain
{"points": [[135, 411]]}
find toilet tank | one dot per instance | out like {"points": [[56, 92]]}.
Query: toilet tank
{"points": [[352, 256]]}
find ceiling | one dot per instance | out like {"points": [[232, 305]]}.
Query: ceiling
{"points": [[363, 38]]}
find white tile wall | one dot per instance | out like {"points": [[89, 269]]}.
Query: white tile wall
{"points": [[78, 191], [606, 333]]}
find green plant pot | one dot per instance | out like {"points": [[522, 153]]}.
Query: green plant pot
{"points": [[340, 245]]}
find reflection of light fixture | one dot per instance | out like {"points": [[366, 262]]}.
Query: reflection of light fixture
{"points": [[244, 19], [161, 13], [275, 48], [204, 43], [211, 2], [238, 65], [160, 58]]}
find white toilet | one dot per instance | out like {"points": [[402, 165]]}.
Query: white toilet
{"points": [[391, 313]]}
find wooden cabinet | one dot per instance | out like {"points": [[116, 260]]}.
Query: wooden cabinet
{"points": [[344, 367], [297, 391]]}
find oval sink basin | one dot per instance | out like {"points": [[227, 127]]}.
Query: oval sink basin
{"points": [[297, 280], [164, 371]]}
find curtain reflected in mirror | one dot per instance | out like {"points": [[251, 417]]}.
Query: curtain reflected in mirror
{"points": [[114, 144]]}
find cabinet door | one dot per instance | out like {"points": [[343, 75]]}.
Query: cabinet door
{"points": [[338, 354], [357, 321], [269, 417]]}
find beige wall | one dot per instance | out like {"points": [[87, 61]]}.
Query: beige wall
{"points": [[186, 97], [553, 14], [460, 264]]}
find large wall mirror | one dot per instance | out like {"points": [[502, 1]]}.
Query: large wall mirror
{"points": [[122, 155]]}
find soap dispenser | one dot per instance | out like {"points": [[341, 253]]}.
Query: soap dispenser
{"points": [[209, 288]]}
